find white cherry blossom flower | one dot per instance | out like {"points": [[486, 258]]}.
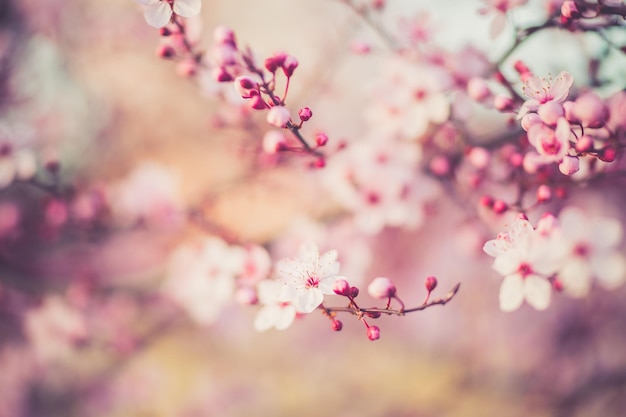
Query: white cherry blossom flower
{"points": [[201, 277], [539, 91], [274, 313], [593, 252], [308, 277], [526, 258], [158, 13]]}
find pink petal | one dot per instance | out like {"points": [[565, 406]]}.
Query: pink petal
{"points": [[576, 277], [560, 89], [610, 269]]}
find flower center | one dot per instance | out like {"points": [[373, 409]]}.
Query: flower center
{"points": [[312, 282], [581, 250], [525, 270]]}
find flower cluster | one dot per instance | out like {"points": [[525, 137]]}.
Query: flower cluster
{"points": [[563, 254]]}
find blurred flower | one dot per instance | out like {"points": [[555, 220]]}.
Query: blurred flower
{"points": [[274, 313], [500, 8], [526, 258], [201, 277], [592, 252]]}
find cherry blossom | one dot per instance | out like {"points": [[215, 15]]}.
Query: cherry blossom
{"points": [[274, 313], [308, 277], [540, 91], [409, 98], [380, 184], [201, 277], [526, 258], [551, 144], [592, 252], [158, 13]]}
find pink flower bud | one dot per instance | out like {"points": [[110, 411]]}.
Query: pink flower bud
{"points": [[569, 10], [354, 292], [584, 144], [221, 75], [440, 165], [569, 165], [224, 36], [500, 207], [165, 32], [321, 139], [378, 4], [382, 288], [529, 120], [319, 163], [336, 325], [521, 68], [486, 201], [550, 112], [544, 193], [244, 85], [373, 333], [274, 141], [256, 102], [478, 89], [430, 283], [305, 114], [479, 157], [590, 110], [289, 65], [278, 116], [342, 287], [607, 154], [272, 63], [568, 108], [503, 103], [165, 51]]}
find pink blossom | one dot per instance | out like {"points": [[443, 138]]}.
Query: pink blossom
{"points": [[593, 252], [381, 287], [278, 116], [539, 91], [526, 258], [307, 278], [551, 144]]}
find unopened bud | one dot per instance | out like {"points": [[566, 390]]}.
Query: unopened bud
{"points": [[503, 103], [430, 283], [354, 292], [607, 154], [278, 116], [569, 165], [500, 206], [289, 65], [544, 193], [569, 10], [305, 114], [321, 139], [165, 51], [373, 333], [342, 287], [336, 325], [381, 287]]}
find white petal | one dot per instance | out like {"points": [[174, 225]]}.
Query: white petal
{"points": [[511, 293], [285, 318], [266, 318], [158, 14], [610, 269], [438, 108], [307, 300], [497, 25], [576, 277], [187, 8], [537, 291], [605, 233]]}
